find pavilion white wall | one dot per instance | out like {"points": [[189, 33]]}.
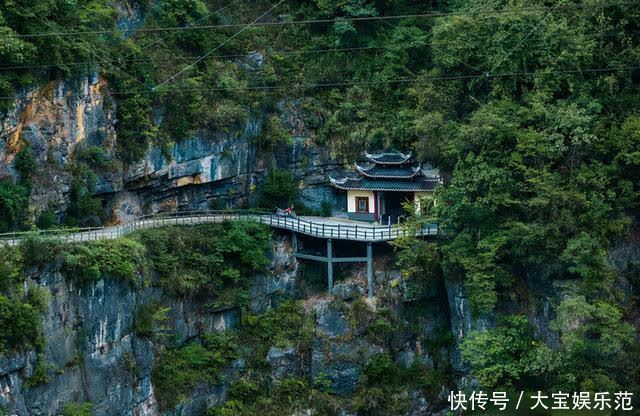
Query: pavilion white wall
{"points": [[351, 200]]}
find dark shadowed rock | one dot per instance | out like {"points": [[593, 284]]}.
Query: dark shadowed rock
{"points": [[330, 320], [284, 362], [348, 290]]}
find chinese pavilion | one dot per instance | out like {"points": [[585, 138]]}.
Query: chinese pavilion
{"points": [[384, 182]]}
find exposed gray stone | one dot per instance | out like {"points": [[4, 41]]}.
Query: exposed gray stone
{"points": [[331, 320], [279, 282], [284, 362], [341, 363], [96, 358], [348, 290], [419, 405]]}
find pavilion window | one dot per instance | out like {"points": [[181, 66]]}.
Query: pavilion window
{"points": [[362, 204]]}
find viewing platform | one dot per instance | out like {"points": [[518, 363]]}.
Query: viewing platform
{"points": [[327, 228], [320, 227]]}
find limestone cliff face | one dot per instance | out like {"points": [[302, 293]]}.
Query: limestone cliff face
{"points": [[211, 169], [56, 118], [94, 355]]}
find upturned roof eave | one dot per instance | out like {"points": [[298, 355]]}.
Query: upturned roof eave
{"points": [[374, 158], [417, 171], [343, 185], [349, 188]]}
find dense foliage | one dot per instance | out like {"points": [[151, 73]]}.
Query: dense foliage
{"points": [[188, 261], [14, 195], [180, 370], [530, 108], [279, 190], [20, 304], [120, 259]]}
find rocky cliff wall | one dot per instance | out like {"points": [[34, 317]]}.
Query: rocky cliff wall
{"points": [[210, 169], [93, 354]]}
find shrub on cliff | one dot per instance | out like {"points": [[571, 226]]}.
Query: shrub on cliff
{"points": [[77, 409], [206, 259], [14, 200], [179, 371], [19, 324], [121, 259], [279, 190]]}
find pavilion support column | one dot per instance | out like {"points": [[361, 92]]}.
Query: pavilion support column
{"points": [[330, 264], [294, 242], [370, 269]]}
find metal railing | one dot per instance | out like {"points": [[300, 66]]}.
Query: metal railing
{"points": [[338, 231], [323, 228]]}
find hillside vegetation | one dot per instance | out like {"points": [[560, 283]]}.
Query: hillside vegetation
{"points": [[530, 108]]}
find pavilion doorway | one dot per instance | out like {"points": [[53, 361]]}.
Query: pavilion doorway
{"points": [[391, 206]]}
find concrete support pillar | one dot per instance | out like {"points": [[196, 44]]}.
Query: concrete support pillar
{"points": [[294, 242], [330, 264], [370, 269]]}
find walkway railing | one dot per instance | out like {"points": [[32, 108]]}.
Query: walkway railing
{"points": [[325, 228], [314, 226]]}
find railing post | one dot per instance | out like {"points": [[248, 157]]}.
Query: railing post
{"points": [[370, 270], [329, 264]]}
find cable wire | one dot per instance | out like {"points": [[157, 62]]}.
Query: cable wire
{"points": [[155, 42], [80, 45], [244, 55], [436, 49], [189, 58], [172, 77], [319, 21], [338, 83], [526, 37]]}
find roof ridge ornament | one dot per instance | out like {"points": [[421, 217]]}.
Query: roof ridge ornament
{"points": [[388, 158], [363, 168], [338, 181]]}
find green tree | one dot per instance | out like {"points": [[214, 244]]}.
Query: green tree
{"points": [[499, 357], [278, 190]]}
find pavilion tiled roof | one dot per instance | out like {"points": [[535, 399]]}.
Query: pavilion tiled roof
{"points": [[369, 184], [389, 172]]}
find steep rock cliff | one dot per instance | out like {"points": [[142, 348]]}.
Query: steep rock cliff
{"points": [[210, 169], [93, 354]]}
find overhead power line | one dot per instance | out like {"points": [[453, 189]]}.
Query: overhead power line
{"points": [[524, 38], [190, 58], [227, 40], [326, 21], [265, 53], [336, 84], [202, 19], [436, 49], [91, 51]]}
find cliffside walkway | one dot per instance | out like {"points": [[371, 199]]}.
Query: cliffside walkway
{"points": [[327, 228], [320, 227]]}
